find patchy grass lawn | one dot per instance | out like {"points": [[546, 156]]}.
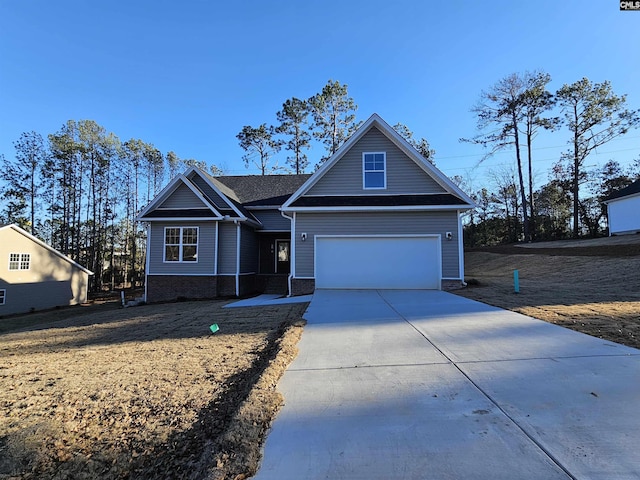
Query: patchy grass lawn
{"points": [[589, 286], [146, 392]]}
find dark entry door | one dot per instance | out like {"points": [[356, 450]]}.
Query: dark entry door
{"points": [[283, 260]]}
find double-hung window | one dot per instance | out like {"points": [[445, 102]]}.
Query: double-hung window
{"points": [[19, 261], [181, 244], [3, 296], [374, 174]]}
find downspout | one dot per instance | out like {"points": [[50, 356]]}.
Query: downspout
{"points": [[147, 261], [237, 257], [293, 249], [215, 252], [460, 249]]}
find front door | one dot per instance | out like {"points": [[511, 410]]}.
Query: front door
{"points": [[283, 261]]}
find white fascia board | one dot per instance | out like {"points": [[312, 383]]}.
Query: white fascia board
{"points": [[318, 174], [168, 190], [401, 143], [219, 192], [160, 197], [405, 208], [626, 197], [181, 219], [48, 247]]}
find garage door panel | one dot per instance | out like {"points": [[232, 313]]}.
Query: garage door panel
{"points": [[378, 262]]}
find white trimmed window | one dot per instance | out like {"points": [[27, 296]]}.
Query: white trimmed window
{"points": [[181, 244], [3, 296], [19, 261], [374, 172]]}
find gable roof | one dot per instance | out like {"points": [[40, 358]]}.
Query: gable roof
{"points": [[150, 210], [462, 200], [627, 191], [23, 232], [224, 196]]}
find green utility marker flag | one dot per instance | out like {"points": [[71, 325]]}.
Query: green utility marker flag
{"points": [[214, 328]]}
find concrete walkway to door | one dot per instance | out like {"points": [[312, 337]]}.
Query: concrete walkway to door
{"points": [[429, 385]]}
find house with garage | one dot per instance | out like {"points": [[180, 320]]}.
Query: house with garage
{"points": [[376, 215], [35, 276], [622, 210]]}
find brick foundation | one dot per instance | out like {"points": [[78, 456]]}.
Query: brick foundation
{"points": [[448, 285], [302, 286], [165, 288], [226, 286], [276, 284]]}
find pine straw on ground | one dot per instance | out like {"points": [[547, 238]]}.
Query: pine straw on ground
{"points": [[591, 287], [146, 392]]}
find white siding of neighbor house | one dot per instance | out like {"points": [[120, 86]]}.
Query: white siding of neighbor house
{"points": [[249, 251], [49, 282], [404, 176], [206, 250], [623, 215], [376, 223], [272, 220], [182, 197], [228, 246]]}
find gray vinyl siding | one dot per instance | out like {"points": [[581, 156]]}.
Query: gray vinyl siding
{"points": [[206, 250], [182, 197], [376, 223], [248, 251], [404, 176], [227, 246], [272, 220], [217, 200]]}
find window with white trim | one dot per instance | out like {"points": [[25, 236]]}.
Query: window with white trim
{"points": [[19, 261], [181, 244], [374, 173], [3, 296]]}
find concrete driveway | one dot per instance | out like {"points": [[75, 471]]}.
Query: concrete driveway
{"points": [[429, 385]]}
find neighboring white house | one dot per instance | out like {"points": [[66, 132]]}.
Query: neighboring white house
{"points": [[35, 276], [623, 210]]}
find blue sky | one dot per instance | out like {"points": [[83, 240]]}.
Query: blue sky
{"points": [[186, 76]]}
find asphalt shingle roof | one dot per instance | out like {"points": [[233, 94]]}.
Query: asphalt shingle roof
{"points": [[629, 190], [263, 190]]}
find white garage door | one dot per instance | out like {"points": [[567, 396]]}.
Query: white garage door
{"points": [[383, 262]]}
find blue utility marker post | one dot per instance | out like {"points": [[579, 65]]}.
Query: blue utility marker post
{"points": [[516, 282]]}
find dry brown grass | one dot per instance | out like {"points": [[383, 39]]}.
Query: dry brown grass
{"points": [[145, 392], [590, 288]]}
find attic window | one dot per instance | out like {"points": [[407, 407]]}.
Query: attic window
{"points": [[19, 261], [181, 244], [374, 174]]}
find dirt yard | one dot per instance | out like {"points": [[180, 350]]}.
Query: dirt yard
{"points": [[592, 286], [145, 392]]}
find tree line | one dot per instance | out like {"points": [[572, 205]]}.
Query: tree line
{"points": [[510, 114], [80, 189]]}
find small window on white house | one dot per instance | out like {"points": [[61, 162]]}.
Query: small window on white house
{"points": [[3, 296], [19, 261], [181, 244], [374, 174]]}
